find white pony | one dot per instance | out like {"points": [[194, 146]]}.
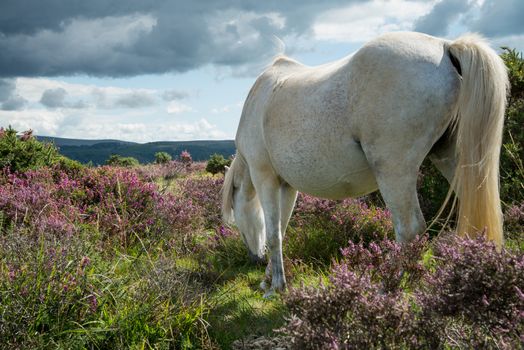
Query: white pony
{"points": [[367, 122]]}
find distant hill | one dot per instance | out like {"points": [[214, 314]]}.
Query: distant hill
{"points": [[98, 151]]}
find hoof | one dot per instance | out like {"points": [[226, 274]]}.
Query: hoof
{"points": [[264, 286], [270, 294]]}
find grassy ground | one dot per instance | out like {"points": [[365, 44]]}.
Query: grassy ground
{"points": [[187, 285]]}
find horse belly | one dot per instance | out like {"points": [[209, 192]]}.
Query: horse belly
{"points": [[333, 173]]}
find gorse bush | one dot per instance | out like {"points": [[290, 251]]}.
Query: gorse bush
{"points": [[512, 154], [467, 295], [118, 160], [25, 152], [217, 164], [162, 157]]}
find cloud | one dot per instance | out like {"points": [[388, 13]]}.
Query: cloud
{"points": [[176, 107], [136, 99], [127, 38], [7, 86], [43, 122], [14, 103], [10, 100], [441, 16], [54, 98], [360, 22], [500, 18], [170, 95]]}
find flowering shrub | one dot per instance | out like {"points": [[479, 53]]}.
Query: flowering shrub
{"points": [[112, 201], [46, 286], [168, 171], [185, 157], [477, 285], [319, 227], [514, 221], [205, 194], [467, 295]]}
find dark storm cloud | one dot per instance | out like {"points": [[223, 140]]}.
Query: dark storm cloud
{"points": [[14, 103], [133, 37], [54, 98], [9, 99], [437, 21], [125, 38], [500, 18], [7, 87]]}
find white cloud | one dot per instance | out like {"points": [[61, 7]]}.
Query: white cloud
{"points": [[142, 132], [87, 96], [364, 21], [512, 42], [42, 121], [175, 107], [227, 108]]}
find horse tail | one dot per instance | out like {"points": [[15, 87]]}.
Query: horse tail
{"points": [[228, 187], [478, 123]]}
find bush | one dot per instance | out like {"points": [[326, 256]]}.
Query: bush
{"points": [[112, 201], [185, 157], [388, 296], [59, 293], [118, 160], [167, 171], [318, 227], [25, 152], [47, 287], [512, 155], [217, 164], [162, 157], [478, 288]]}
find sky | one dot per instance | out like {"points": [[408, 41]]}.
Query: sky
{"points": [[166, 70]]}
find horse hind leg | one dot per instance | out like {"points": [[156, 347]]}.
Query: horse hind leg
{"points": [[400, 196], [397, 182], [443, 156]]}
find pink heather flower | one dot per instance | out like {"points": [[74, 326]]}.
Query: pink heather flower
{"points": [[27, 135], [85, 262], [185, 157], [12, 275], [93, 303]]}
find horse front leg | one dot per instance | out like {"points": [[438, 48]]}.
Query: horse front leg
{"points": [[288, 197], [268, 188]]}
